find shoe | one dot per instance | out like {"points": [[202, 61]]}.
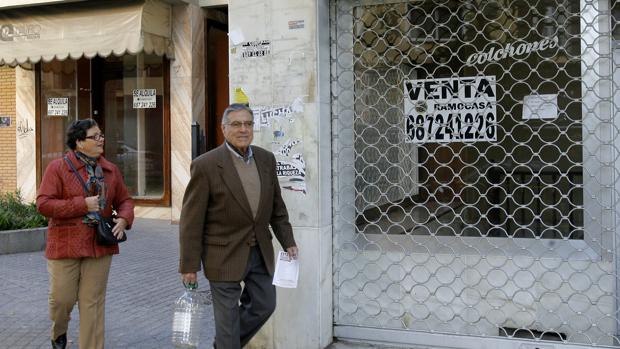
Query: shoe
{"points": [[60, 342]]}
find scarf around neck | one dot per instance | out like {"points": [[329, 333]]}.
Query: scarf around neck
{"points": [[95, 184]]}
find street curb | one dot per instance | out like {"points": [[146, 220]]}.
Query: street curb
{"points": [[22, 240]]}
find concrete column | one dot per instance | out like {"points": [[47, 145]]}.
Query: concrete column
{"points": [[279, 58], [187, 94], [25, 115]]}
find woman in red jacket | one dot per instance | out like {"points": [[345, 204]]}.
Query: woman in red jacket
{"points": [[78, 267]]}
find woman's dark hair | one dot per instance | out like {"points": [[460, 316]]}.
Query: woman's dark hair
{"points": [[77, 131]]}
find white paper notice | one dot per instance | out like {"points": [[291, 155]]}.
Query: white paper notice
{"points": [[540, 107], [144, 98], [58, 106], [236, 36], [287, 271]]}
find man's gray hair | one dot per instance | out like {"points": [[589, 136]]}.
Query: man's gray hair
{"points": [[233, 108]]}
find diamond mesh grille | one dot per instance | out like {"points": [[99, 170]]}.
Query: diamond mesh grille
{"points": [[475, 168]]}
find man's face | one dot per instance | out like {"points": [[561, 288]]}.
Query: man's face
{"points": [[239, 131]]}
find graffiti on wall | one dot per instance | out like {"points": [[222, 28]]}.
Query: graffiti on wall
{"points": [[24, 129]]}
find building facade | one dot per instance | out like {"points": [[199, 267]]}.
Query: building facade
{"points": [[450, 167]]}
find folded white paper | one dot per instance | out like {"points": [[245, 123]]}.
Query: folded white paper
{"points": [[287, 271]]}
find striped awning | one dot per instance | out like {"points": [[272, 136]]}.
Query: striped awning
{"points": [[74, 30]]}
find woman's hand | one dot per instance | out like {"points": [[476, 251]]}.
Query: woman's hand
{"points": [[119, 227], [92, 202]]}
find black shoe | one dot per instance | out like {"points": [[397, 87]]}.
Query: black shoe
{"points": [[60, 342]]}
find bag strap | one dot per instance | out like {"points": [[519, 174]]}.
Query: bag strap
{"points": [[84, 186]]}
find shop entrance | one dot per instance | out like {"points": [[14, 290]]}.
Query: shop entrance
{"points": [[475, 173], [127, 96]]}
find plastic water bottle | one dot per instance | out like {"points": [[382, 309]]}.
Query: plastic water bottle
{"points": [[187, 317]]}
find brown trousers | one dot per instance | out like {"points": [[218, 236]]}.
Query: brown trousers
{"points": [[83, 280]]}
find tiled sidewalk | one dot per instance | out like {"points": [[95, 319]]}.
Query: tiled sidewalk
{"points": [[143, 285]]}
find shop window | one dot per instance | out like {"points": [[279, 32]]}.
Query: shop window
{"points": [[133, 107], [127, 96], [525, 178]]}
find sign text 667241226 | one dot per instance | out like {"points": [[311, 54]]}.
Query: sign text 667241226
{"points": [[459, 109]]}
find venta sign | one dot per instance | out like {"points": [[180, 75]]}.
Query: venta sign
{"points": [[461, 109], [511, 50]]}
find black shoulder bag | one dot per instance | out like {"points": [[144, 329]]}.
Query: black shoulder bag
{"points": [[105, 236]]}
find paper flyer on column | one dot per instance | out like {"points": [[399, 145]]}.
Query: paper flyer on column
{"points": [[287, 271]]}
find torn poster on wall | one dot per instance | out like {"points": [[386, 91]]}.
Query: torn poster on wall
{"points": [[292, 174], [264, 115], [285, 149], [297, 24], [236, 36], [257, 48], [241, 97]]}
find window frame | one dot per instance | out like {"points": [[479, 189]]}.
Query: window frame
{"points": [[165, 199]]}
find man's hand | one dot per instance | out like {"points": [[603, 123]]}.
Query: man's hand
{"points": [[119, 227], [292, 251], [189, 278]]}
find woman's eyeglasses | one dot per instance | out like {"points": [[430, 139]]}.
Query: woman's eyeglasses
{"points": [[96, 137]]}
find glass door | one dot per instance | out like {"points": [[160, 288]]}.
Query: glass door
{"points": [[129, 99], [64, 97]]}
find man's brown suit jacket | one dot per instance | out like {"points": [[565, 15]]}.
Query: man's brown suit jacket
{"points": [[216, 219]]}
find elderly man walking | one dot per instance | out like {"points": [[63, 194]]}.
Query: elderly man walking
{"points": [[232, 198]]}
